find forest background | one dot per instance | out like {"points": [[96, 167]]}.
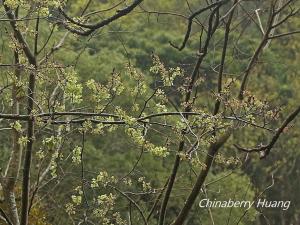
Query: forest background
{"points": [[113, 104]]}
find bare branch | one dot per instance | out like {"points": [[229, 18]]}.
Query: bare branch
{"points": [[213, 149], [190, 22], [285, 34], [265, 149], [92, 27], [5, 217]]}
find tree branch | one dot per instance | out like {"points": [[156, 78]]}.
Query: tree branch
{"points": [[92, 27], [190, 22], [265, 149], [213, 149]]}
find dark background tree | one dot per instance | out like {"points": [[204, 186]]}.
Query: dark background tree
{"points": [[131, 112]]}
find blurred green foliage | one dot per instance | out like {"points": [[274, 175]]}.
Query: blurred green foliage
{"points": [[132, 40]]}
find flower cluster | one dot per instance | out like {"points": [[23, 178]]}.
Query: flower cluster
{"points": [[139, 139], [103, 178], [76, 157], [145, 185], [72, 88], [76, 199], [128, 119], [53, 164], [157, 150], [107, 200], [51, 142], [136, 135], [221, 159], [102, 93], [139, 79], [17, 126], [41, 6], [167, 76], [23, 140], [13, 4]]}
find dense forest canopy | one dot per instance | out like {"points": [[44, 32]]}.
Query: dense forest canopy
{"points": [[139, 112]]}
